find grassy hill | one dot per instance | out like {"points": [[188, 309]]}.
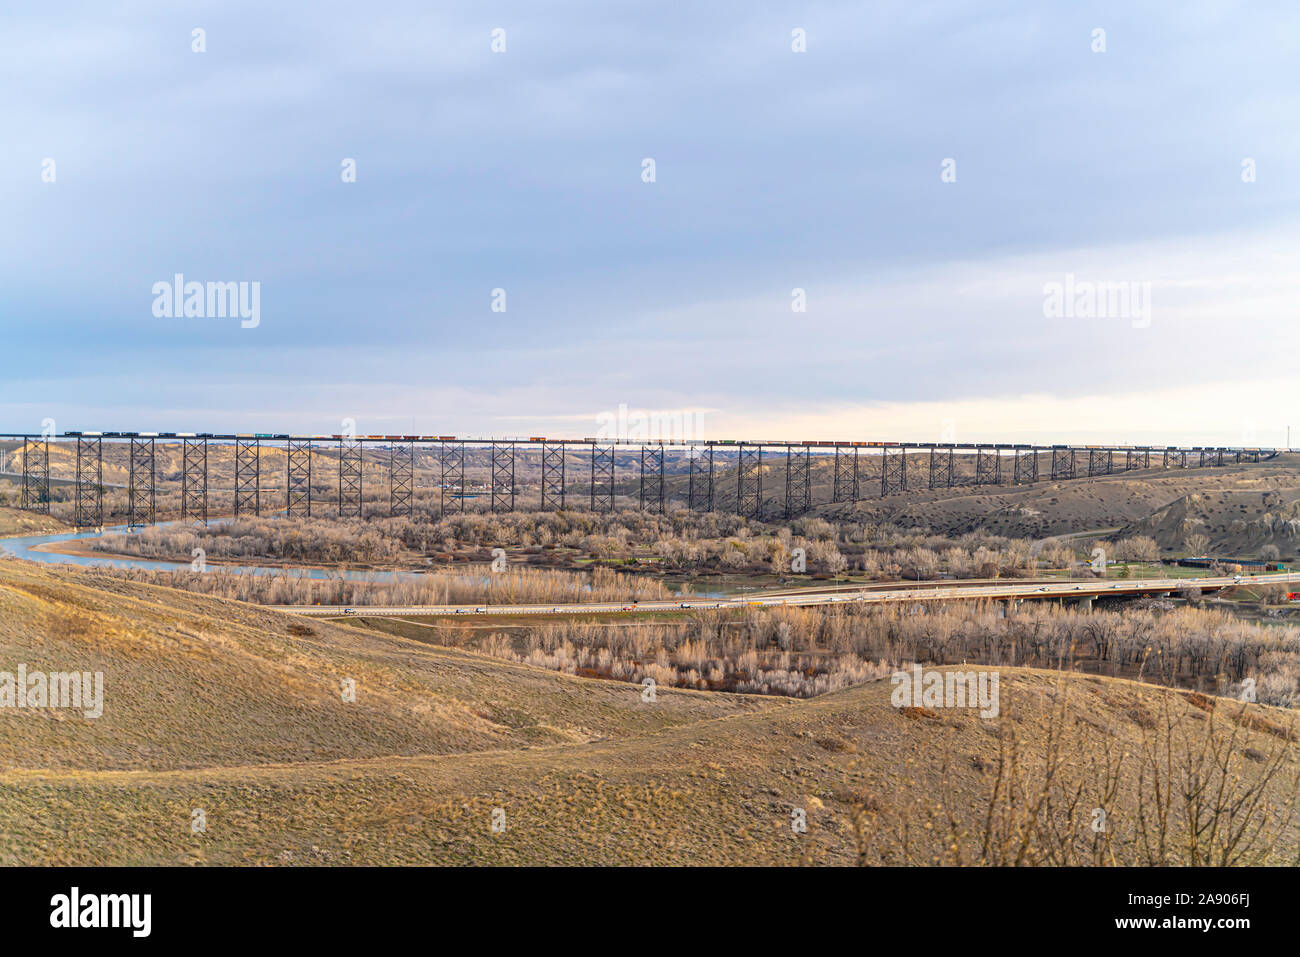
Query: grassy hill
{"points": [[222, 707], [1236, 521]]}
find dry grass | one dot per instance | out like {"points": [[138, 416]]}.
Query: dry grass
{"points": [[215, 705]]}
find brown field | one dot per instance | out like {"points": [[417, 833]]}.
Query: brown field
{"points": [[218, 706]]}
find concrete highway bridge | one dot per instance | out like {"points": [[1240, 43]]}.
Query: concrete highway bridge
{"points": [[1011, 593], [571, 472]]}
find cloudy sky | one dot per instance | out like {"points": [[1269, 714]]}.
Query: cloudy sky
{"points": [[922, 171]]}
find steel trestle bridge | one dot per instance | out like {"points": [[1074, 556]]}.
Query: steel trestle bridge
{"points": [[856, 469]]}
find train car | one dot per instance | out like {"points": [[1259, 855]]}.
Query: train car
{"points": [[446, 438]]}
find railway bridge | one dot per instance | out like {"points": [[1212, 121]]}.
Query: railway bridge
{"points": [[569, 472]]}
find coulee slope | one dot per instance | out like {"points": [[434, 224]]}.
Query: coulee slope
{"points": [[236, 711]]}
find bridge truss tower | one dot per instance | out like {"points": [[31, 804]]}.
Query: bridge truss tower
{"points": [[988, 467], [602, 478], [401, 479], [1063, 464], [503, 477], [552, 477], [451, 465], [36, 476], [699, 488], [88, 505], [298, 491], [1100, 462], [845, 486], [141, 481], [749, 481], [349, 478], [942, 469], [798, 484], [248, 477], [893, 471], [1024, 467], [194, 479], [652, 479]]}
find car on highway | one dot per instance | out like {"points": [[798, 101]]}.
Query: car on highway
{"points": [[479, 611], [348, 611]]}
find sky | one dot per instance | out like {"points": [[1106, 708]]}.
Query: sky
{"points": [[855, 240]]}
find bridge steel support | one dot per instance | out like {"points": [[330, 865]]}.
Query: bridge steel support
{"points": [[298, 479], [893, 471], [602, 478], [36, 476], [552, 477], [401, 479], [1100, 462], [1063, 464], [845, 486], [194, 479], [248, 476], [798, 487], [699, 489], [652, 478], [451, 462], [88, 506], [349, 479], [988, 467], [749, 481], [1135, 459], [942, 467], [141, 481], [1024, 467], [503, 477]]}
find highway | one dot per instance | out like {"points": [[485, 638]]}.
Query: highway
{"points": [[867, 595]]}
